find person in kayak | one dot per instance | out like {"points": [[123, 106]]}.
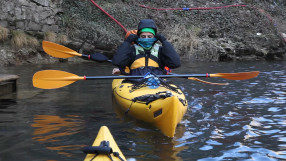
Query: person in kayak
{"points": [[142, 54]]}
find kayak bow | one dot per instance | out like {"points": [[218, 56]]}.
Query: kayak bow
{"points": [[104, 148]]}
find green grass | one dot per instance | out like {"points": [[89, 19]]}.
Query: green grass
{"points": [[20, 39], [181, 38], [3, 33]]}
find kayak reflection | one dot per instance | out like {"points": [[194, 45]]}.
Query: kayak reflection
{"points": [[50, 128]]}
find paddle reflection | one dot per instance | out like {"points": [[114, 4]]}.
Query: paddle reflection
{"points": [[49, 128]]}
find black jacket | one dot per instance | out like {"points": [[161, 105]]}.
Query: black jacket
{"points": [[126, 53]]}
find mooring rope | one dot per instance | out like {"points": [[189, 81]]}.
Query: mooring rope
{"points": [[263, 12], [199, 8], [109, 16]]}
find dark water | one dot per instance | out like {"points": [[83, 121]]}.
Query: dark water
{"points": [[242, 121]]}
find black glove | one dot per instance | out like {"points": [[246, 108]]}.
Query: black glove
{"points": [[160, 37], [131, 38], [98, 57]]}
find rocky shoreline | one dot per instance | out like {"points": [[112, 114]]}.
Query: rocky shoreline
{"points": [[248, 31]]}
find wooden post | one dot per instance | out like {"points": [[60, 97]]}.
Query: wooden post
{"points": [[8, 83]]}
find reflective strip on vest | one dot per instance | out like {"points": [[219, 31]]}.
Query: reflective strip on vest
{"points": [[141, 61]]}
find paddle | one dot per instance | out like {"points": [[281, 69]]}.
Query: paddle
{"points": [[51, 79], [212, 83], [60, 51]]}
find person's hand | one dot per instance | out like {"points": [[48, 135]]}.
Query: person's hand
{"points": [[115, 71], [132, 38], [160, 37]]}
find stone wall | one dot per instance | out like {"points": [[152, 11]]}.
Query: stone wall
{"points": [[30, 15], [228, 34], [250, 32]]}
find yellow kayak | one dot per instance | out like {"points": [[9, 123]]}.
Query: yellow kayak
{"points": [[104, 148], [163, 107]]}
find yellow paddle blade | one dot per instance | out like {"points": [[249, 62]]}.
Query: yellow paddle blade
{"points": [[236, 76], [199, 80], [51, 79], [58, 51]]}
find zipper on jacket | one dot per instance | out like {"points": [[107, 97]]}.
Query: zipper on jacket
{"points": [[147, 55]]}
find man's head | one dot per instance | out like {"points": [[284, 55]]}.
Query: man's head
{"points": [[146, 33], [147, 26]]}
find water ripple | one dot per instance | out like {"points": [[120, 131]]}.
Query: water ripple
{"points": [[260, 100], [248, 153]]}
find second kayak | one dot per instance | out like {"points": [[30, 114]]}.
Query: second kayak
{"points": [[104, 148]]}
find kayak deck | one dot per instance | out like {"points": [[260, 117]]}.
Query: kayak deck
{"points": [[162, 107]]}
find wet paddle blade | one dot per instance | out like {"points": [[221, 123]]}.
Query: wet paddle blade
{"points": [[236, 76], [51, 79], [199, 80], [58, 51]]}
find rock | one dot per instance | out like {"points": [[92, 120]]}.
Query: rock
{"points": [[20, 24], [33, 15], [4, 23], [44, 3], [229, 34], [33, 26]]}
